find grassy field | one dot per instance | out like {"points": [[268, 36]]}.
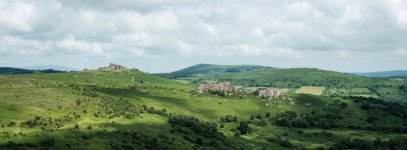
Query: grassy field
{"points": [[132, 109], [311, 90]]}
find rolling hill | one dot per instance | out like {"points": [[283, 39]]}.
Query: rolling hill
{"points": [[395, 73], [210, 69], [9, 70], [48, 67], [130, 109], [333, 83]]}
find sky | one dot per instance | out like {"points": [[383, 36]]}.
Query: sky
{"points": [[167, 35]]}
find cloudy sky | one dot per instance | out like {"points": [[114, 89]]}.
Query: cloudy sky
{"points": [[166, 35]]}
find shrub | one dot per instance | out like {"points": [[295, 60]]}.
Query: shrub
{"points": [[281, 140], [48, 142], [244, 128], [267, 115], [372, 119], [230, 118], [11, 124], [198, 141]]}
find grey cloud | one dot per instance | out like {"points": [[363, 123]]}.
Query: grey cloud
{"points": [[142, 31]]}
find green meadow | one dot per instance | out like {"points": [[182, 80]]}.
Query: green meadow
{"points": [[134, 110]]}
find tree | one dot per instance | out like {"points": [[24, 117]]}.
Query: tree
{"points": [[258, 116], [268, 115], [372, 119], [47, 142], [198, 141], [244, 128]]}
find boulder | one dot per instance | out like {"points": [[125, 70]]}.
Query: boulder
{"points": [[268, 92], [223, 87], [113, 66]]}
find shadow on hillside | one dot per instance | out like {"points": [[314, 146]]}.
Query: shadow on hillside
{"points": [[134, 135], [172, 104], [137, 135]]}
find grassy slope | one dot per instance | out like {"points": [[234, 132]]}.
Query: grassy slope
{"points": [[61, 94], [298, 77]]}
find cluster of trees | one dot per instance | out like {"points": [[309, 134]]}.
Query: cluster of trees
{"points": [[44, 122], [188, 124], [398, 129], [307, 120], [44, 144], [136, 140], [373, 104], [243, 128], [393, 143], [163, 112], [204, 134], [279, 139]]}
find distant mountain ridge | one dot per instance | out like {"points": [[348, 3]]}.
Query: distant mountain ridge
{"points": [[47, 67], [211, 69], [10, 70], [394, 73]]}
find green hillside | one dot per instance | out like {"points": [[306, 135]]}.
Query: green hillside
{"points": [[209, 69], [334, 83], [130, 109]]}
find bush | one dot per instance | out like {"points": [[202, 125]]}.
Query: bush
{"points": [[11, 124], [372, 119], [229, 118], [299, 123], [196, 131], [48, 142], [244, 128], [267, 115], [281, 140], [365, 106], [198, 141]]}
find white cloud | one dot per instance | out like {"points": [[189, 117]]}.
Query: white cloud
{"points": [[399, 8], [15, 16], [351, 13], [254, 31], [185, 47], [258, 32], [70, 45]]}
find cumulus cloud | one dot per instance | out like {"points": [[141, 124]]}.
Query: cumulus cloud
{"points": [[166, 35], [15, 16]]}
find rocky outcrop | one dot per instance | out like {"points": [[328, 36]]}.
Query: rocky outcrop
{"points": [[113, 66], [224, 88], [272, 96], [268, 92]]}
